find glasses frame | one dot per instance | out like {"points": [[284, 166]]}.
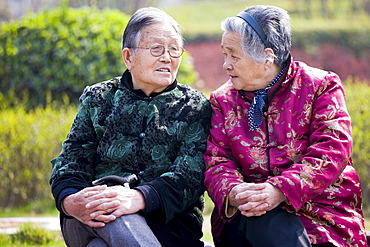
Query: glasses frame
{"points": [[164, 50]]}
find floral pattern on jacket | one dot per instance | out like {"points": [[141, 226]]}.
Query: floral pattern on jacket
{"points": [[303, 147], [161, 137]]}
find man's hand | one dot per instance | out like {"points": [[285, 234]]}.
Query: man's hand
{"points": [[75, 205], [98, 205], [255, 199], [121, 201]]}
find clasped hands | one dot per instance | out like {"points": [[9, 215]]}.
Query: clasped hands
{"points": [[101, 204], [255, 199]]}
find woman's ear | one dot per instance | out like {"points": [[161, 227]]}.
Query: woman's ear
{"points": [[270, 57], [127, 57]]}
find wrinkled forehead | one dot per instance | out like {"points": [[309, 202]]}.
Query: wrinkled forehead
{"points": [[161, 33], [231, 41]]}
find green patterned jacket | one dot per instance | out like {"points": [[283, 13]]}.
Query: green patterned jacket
{"points": [[121, 131]]}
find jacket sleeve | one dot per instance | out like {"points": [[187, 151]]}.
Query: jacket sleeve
{"points": [[330, 145], [72, 170], [222, 171]]}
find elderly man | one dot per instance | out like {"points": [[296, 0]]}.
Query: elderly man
{"points": [[144, 124]]}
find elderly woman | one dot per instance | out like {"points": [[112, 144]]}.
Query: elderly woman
{"points": [[143, 123], [278, 165]]}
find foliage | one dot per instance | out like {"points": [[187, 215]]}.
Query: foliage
{"points": [[31, 235], [29, 139], [339, 27], [60, 51], [358, 102]]}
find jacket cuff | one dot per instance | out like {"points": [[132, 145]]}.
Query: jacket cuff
{"points": [[230, 211], [152, 199], [64, 193]]}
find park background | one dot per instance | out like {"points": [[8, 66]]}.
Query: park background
{"points": [[51, 49]]}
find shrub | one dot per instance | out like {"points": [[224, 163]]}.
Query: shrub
{"points": [[62, 50], [33, 235], [358, 102], [29, 139]]}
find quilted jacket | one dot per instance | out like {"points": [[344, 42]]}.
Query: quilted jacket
{"points": [[161, 138], [303, 147]]}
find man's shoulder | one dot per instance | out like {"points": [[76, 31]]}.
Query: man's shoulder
{"points": [[101, 90]]}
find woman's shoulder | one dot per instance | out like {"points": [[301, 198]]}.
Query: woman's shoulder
{"points": [[225, 92], [315, 75]]}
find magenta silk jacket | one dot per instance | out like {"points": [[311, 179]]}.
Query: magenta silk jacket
{"points": [[303, 147]]}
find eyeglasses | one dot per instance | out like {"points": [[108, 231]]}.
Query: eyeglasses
{"points": [[159, 50]]}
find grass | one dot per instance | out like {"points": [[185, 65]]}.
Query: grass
{"points": [[31, 235]]}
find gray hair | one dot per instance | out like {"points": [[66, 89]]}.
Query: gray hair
{"points": [[275, 23], [142, 18]]}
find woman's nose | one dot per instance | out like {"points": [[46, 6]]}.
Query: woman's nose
{"points": [[227, 65]]}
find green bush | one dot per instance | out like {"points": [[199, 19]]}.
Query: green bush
{"points": [[28, 140], [358, 102], [31, 235], [62, 50]]}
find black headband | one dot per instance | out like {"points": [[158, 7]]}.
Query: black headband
{"points": [[256, 27]]}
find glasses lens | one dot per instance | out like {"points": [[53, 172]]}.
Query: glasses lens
{"points": [[157, 50], [175, 51]]}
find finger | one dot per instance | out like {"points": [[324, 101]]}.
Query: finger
{"points": [[106, 218], [102, 204], [95, 188], [251, 214], [252, 196], [262, 207], [94, 223], [257, 197], [96, 195], [253, 206]]}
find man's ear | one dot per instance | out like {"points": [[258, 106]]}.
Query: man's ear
{"points": [[127, 57]]}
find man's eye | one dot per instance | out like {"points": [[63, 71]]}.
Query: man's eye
{"points": [[156, 48], [174, 48]]}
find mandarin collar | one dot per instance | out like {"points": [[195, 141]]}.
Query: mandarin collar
{"points": [[126, 81]]}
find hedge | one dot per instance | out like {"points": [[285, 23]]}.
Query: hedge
{"points": [[29, 139], [62, 50]]}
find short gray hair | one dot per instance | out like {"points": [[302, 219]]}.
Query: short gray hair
{"points": [[142, 18], [275, 23]]}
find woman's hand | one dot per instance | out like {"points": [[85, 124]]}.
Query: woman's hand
{"points": [[255, 199]]}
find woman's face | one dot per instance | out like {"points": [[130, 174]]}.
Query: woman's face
{"points": [[244, 73], [149, 73]]}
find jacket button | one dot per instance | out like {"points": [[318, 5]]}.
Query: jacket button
{"points": [[142, 135]]}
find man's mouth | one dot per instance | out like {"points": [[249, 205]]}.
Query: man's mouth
{"points": [[163, 70]]}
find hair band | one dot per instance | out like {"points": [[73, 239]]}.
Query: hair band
{"points": [[256, 27]]}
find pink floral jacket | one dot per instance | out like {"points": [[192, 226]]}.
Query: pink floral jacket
{"points": [[303, 147]]}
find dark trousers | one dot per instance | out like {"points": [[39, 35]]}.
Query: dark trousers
{"points": [[276, 228]]}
